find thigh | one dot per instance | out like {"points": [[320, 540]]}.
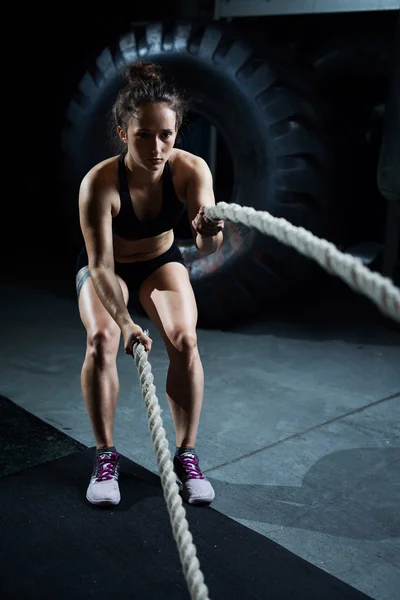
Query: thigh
{"points": [[168, 299], [94, 316]]}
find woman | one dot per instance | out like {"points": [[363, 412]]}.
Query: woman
{"points": [[128, 206]]}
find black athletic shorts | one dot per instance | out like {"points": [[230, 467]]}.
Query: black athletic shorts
{"points": [[133, 273]]}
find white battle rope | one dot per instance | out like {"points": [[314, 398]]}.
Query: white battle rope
{"points": [[177, 514], [379, 289], [350, 269]]}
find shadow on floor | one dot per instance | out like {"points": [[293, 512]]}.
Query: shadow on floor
{"points": [[326, 501]]}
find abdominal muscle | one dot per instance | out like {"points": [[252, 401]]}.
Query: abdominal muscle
{"points": [[128, 251]]}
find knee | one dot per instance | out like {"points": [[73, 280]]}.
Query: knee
{"points": [[184, 341], [102, 345]]}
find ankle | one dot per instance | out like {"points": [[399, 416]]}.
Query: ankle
{"points": [[181, 449], [101, 449]]}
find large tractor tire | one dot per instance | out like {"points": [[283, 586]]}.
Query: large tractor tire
{"points": [[274, 143]]}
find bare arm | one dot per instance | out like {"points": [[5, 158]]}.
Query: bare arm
{"points": [[95, 220], [199, 193]]}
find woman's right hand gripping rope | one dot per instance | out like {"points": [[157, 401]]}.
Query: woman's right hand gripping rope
{"points": [[133, 334]]}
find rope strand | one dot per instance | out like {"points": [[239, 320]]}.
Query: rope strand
{"points": [[180, 528], [379, 289]]}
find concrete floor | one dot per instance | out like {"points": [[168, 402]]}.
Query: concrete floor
{"points": [[299, 432]]}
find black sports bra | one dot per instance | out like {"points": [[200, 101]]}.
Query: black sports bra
{"points": [[128, 226]]}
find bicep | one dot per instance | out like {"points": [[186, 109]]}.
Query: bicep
{"points": [[96, 225]]}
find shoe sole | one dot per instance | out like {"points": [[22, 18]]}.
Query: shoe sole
{"points": [[104, 503], [195, 501], [199, 501]]}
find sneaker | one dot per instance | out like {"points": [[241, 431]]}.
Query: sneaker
{"points": [[195, 488], [103, 488]]}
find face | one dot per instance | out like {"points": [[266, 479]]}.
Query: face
{"points": [[151, 135]]}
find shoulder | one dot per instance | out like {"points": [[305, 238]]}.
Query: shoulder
{"points": [[100, 180], [185, 165], [102, 173]]}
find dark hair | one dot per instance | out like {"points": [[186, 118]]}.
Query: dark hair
{"points": [[146, 85]]}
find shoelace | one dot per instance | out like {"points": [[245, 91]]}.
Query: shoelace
{"points": [[106, 466], [190, 463]]}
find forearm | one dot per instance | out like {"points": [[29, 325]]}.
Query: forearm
{"points": [[208, 245], [110, 294]]}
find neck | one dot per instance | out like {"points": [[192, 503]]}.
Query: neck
{"points": [[142, 177]]}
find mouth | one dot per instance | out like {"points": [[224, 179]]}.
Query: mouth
{"points": [[155, 161]]}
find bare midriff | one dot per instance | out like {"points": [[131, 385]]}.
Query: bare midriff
{"points": [[127, 251]]}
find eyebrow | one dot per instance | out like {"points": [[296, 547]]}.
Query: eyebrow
{"points": [[149, 130]]}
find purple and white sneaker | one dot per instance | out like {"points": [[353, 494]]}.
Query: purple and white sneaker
{"points": [[194, 486], [103, 488]]}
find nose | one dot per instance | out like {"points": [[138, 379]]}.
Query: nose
{"points": [[156, 146]]}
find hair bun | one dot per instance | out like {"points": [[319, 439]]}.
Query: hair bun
{"points": [[142, 71]]}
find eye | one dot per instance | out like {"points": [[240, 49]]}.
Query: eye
{"points": [[143, 134], [167, 134]]}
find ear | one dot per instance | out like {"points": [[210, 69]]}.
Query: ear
{"points": [[122, 134]]}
